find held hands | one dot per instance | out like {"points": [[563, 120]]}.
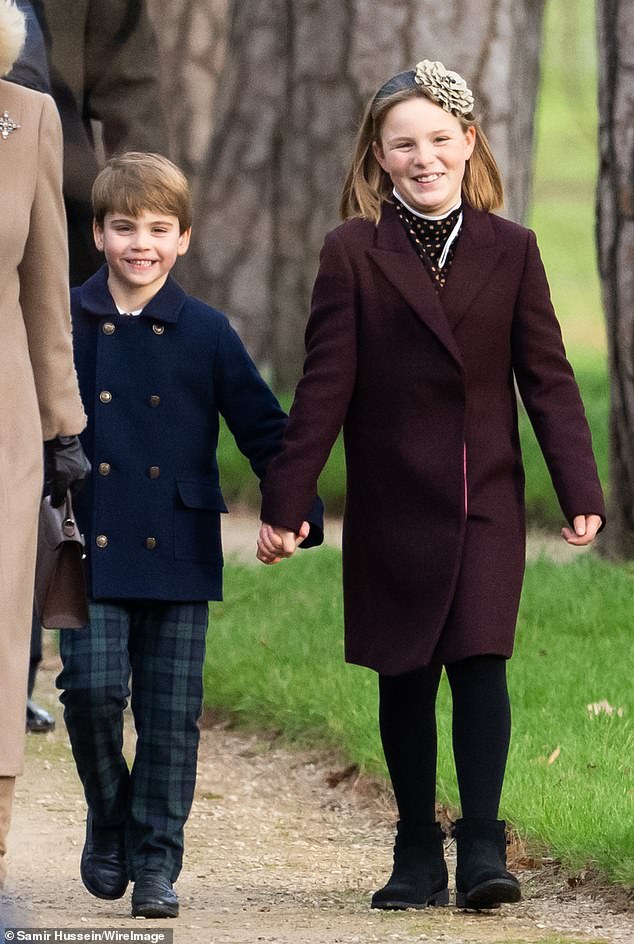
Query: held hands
{"points": [[585, 530], [276, 543]]}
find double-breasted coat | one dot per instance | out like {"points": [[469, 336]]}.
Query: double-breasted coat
{"points": [[434, 526], [155, 386], [39, 396]]}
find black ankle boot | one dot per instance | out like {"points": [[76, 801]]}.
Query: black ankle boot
{"points": [[482, 879], [419, 877]]}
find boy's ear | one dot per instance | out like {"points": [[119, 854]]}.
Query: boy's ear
{"points": [[97, 232], [183, 241]]}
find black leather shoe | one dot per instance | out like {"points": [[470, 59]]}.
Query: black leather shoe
{"points": [[153, 896], [37, 720], [103, 869], [419, 876]]}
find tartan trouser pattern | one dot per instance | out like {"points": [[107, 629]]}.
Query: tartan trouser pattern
{"points": [[161, 646]]}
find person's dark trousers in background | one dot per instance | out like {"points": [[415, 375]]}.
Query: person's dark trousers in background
{"points": [[38, 720]]}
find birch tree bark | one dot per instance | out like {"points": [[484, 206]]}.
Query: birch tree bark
{"points": [[297, 75], [615, 244]]}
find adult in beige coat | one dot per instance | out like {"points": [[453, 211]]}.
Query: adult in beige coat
{"points": [[39, 396]]}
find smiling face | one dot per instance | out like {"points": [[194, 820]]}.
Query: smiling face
{"points": [[424, 149], [140, 252]]}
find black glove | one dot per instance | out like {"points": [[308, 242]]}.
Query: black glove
{"points": [[65, 466]]}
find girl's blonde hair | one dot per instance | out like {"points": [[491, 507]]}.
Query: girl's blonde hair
{"points": [[367, 185], [12, 34], [134, 182]]}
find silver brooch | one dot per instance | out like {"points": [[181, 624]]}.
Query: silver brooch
{"points": [[7, 125]]}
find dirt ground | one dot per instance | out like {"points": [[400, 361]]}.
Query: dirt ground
{"points": [[277, 851]]}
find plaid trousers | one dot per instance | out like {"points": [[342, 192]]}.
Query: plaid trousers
{"points": [[155, 650]]}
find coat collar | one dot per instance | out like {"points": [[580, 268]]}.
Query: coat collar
{"points": [[477, 252], [165, 306]]}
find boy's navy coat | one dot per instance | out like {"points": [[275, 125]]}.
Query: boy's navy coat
{"points": [[419, 381], [153, 386]]}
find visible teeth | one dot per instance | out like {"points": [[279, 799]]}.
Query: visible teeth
{"points": [[428, 178], [140, 262]]}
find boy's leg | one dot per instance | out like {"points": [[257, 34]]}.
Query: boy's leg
{"points": [[94, 679], [167, 652]]}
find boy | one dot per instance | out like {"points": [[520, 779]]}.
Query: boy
{"points": [[155, 368]]}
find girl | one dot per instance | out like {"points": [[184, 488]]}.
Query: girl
{"points": [[425, 310]]}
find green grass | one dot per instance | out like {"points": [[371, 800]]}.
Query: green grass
{"points": [[275, 660]]}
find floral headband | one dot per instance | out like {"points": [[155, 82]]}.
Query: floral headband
{"points": [[446, 88]]}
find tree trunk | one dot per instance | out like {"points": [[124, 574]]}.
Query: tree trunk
{"points": [[192, 39], [297, 75], [615, 244]]}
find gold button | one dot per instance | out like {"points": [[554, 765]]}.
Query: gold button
{"points": [[101, 540], [154, 471], [157, 328], [150, 543], [105, 396], [108, 327], [104, 468], [155, 400]]}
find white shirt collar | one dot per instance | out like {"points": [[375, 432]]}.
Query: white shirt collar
{"points": [[122, 311], [425, 216]]}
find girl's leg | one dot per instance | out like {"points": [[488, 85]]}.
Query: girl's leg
{"points": [[481, 732], [407, 721]]}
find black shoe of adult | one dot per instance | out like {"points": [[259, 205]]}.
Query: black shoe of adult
{"points": [[38, 720], [153, 896], [482, 879], [419, 877], [103, 868]]}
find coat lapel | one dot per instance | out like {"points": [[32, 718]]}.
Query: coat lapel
{"points": [[397, 259], [477, 254]]}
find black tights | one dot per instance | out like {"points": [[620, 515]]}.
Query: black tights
{"points": [[481, 733]]}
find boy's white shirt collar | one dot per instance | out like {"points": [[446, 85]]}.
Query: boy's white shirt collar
{"points": [[122, 311]]}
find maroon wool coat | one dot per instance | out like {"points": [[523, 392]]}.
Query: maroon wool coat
{"points": [[418, 381]]}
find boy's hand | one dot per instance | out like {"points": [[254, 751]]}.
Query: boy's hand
{"points": [[276, 543], [585, 530]]}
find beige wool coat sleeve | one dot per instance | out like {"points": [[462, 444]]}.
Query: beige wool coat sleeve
{"points": [[39, 395]]}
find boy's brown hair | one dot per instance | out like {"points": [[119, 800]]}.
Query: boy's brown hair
{"points": [[135, 181]]}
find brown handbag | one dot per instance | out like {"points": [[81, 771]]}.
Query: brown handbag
{"points": [[60, 585]]}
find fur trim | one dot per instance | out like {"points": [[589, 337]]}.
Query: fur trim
{"points": [[12, 34]]}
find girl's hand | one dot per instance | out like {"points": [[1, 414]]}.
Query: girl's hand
{"points": [[585, 530], [276, 543]]}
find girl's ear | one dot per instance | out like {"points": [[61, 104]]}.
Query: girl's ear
{"points": [[470, 140], [377, 150]]}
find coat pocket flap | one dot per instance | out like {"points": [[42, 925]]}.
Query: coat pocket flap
{"points": [[197, 494]]}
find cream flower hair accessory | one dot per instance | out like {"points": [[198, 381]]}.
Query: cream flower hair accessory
{"points": [[447, 88]]}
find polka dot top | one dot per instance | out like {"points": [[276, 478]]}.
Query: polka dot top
{"points": [[428, 236]]}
